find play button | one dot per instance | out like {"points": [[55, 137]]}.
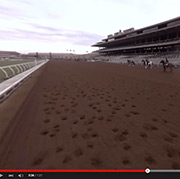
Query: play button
{"points": [[1, 175]]}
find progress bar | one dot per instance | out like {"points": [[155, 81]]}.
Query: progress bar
{"points": [[165, 171], [147, 170], [161, 171]]}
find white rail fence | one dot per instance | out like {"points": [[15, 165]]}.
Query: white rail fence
{"points": [[9, 86], [17, 68]]}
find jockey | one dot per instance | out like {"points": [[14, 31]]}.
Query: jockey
{"points": [[166, 62], [147, 62]]}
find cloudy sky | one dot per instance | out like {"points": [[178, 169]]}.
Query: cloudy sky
{"points": [[64, 25]]}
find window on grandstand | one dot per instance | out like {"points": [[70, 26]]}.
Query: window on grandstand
{"points": [[129, 35], [150, 29], [162, 26], [173, 35], [174, 23]]}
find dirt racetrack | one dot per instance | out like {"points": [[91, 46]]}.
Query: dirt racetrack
{"points": [[79, 115]]}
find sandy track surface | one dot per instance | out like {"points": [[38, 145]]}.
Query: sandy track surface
{"points": [[96, 116]]}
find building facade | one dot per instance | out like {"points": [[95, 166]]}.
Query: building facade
{"points": [[163, 37]]}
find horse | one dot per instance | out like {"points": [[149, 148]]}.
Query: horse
{"points": [[147, 64], [131, 62], [167, 65]]}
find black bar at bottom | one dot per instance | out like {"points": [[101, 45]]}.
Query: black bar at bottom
{"points": [[84, 175]]}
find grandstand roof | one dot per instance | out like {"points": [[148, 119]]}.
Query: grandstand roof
{"points": [[162, 26]]}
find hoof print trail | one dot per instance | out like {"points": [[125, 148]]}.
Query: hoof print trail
{"points": [[75, 122], [134, 112], [150, 127], [90, 145], [175, 165], [37, 161], [46, 121], [127, 147], [125, 132], [115, 129], [45, 132], [59, 149], [74, 135], [126, 162], [67, 159], [56, 126], [78, 152], [143, 135], [64, 118], [85, 136], [150, 160], [100, 118], [58, 112], [94, 135], [52, 135], [119, 137], [96, 162], [82, 117]]}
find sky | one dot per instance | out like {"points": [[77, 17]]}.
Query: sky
{"points": [[74, 25]]}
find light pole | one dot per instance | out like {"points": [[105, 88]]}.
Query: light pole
{"points": [[37, 56], [50, 56]]}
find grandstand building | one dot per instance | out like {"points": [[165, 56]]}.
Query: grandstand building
{"points": [[159, 38], [49, 55], [9, 54]]}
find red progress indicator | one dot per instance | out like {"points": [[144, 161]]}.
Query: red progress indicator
{"points": [[75, 171]]}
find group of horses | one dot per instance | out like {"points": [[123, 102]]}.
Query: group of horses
{"points": [[149, 64]]}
